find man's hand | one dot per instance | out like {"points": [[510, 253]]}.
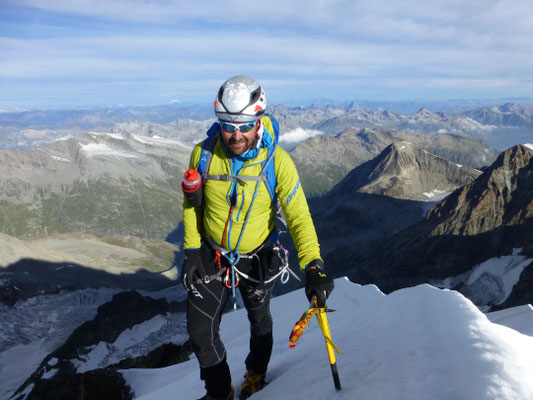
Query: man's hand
{"points": [[192, 263], [317, 283]]}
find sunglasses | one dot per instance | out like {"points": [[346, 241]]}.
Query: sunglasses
{"points": [[243, 128]]}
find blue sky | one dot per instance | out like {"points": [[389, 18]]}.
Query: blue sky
{"points": [[57, 53]]}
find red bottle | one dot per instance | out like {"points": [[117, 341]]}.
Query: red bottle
{"points": [[192, 187]]}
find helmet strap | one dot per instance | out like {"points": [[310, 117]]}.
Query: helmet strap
{"points": [[258, 135]]}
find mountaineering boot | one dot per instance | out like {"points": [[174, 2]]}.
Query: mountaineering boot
{"points": [[252, 383], [228, 397]]}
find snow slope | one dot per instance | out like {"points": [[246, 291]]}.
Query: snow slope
{"points": [[518, 318], [418, 343]]}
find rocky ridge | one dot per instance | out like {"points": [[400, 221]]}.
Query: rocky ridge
{"points": [[29, 128], [488, 218], [335, 119], [502, 196]]}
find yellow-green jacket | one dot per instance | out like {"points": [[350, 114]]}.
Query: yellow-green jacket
{"points": [[211, 219]]}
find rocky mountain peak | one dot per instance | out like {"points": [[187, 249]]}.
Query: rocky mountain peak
{"points": [[426, 111], [502, 195], [423, 110], [404, 170], [398, 157], [513, 159], [353, 106]]}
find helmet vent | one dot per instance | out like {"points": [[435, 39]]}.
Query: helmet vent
{"points": [[220, 93], [255, 95]]}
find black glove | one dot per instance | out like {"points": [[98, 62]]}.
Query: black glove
{"points": [[317, 283], [191, 264]]}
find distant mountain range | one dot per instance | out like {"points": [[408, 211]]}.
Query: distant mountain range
{"points": [[452, 106], [91, 118], [335, 119], [26, 138], [501, 126], [509, 114]]}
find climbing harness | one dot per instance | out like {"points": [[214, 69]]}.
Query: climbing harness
{"points": [[279, 250], [268, 176]]}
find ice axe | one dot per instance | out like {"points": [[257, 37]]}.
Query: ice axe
{"points": [[299, 327]]}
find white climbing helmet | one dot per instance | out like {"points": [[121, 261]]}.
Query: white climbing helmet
{"points": [[240, 99]]}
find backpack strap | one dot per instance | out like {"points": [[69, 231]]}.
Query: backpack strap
{"points": [[270, 174], [206, 155]]}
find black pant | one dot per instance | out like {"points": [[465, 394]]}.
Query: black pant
{"points": [[204, 312]]}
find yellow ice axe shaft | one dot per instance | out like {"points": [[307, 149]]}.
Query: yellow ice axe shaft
{"points": [[330, 346]]}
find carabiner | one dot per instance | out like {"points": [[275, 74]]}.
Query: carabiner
{"points": [[227, 280]]}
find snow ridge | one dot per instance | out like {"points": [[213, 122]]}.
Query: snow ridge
{"points": [[417, 343]]}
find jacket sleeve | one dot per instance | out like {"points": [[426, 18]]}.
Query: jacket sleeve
{"points": [[192, 216], [294, 204]]}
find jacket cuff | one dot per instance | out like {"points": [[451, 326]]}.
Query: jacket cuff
{"points": [[315, 264]]}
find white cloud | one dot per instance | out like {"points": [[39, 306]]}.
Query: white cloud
{"points": [[297, 135], [372, 46], [388, 19], [161, 57]]}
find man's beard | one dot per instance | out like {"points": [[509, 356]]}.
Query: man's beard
{"points": [[240, 149]]}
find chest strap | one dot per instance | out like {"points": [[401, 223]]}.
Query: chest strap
{"points": [[235, 178]]}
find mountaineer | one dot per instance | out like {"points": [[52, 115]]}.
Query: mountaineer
{"points": [[236, 179]]}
